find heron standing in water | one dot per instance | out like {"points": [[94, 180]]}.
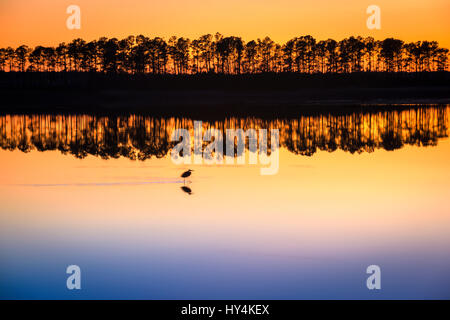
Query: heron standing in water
{"points": [[186, 174]]}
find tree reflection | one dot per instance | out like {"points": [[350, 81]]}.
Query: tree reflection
{"points": [[140, 137]]}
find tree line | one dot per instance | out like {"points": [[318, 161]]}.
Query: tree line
{"points": [[227, 55]]}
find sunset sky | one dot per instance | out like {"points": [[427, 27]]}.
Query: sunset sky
{"points": [[43, 22]]}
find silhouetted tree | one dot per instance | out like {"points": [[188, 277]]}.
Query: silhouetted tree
{"points": [[391, 50], [21, 54], [228, 55], [251, 56], [3, 59]]}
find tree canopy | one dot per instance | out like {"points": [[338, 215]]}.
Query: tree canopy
{"points": [[227, 55]]}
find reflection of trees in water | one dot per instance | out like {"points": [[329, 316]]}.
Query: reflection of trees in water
{"points": [[365, 132], [142, 137]]}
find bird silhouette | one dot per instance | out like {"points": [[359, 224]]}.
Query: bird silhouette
{"points": [[186, 174], [187, 190]]}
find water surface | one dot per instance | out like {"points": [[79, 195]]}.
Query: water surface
{"points": [[101, 192]]}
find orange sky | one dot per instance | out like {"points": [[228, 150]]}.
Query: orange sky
{"points": [[43, 22]]}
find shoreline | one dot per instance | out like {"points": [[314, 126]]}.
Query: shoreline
{"points": [[221, 102]]}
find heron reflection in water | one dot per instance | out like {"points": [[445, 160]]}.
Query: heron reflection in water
{"points": [[187, 190]]}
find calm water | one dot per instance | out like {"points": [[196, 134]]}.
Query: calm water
{"points": [[101, 192]]}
